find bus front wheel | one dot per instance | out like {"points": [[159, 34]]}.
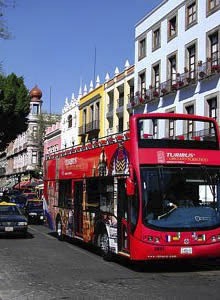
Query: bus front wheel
{"points": [[103, 243], [59, 230]]}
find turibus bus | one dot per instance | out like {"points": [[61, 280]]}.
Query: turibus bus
{"points": [[148, 194]]}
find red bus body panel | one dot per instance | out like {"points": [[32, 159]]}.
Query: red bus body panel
{"points": [[83, 164]]}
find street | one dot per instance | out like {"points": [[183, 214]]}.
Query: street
{"points": [[41, 267]]}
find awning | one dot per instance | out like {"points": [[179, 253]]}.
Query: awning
{"points": [[22, 184]]}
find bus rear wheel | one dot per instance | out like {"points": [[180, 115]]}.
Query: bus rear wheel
{"points": [[59, 230], [103, 243]]}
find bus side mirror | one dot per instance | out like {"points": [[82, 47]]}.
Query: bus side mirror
{"points": [[130, 187]]}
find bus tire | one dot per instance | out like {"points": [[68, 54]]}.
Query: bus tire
{"points": [[103, 244], [59, 231]]}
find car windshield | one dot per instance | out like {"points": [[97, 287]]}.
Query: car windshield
{"points": [[35, 205], [31, 196], [180, 197], [20, 200], [9, 210]]}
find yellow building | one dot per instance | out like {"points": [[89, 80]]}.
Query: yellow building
{"points": [[117, 94], [91, 113]]}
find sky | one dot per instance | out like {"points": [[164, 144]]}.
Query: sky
{"points": [[53, 43]]}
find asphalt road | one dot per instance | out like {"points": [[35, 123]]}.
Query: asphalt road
{"points": [[42, 268]]}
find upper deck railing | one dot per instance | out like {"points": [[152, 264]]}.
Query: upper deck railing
{"points": [[177, 131]]}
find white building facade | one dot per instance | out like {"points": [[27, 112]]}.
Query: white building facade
{"points": [[70, 123], [177, 59]]}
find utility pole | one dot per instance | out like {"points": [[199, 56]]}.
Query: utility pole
{"points": [[50, 103], [94, 67]]}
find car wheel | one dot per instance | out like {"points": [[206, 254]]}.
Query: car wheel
{"points": [[59, 230], [103, 244]]}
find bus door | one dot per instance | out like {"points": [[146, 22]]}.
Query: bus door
{"points": [[78, 208], [123, 218]]}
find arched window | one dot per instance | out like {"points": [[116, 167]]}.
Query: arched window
{"points": [[70, 121]]}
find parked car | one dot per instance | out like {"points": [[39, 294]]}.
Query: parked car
{"points": [[12, 220], [19, 200], [31, 196], [34, 211]]}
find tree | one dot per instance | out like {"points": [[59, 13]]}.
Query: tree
{"points": [[4, 33], [14, 108]]}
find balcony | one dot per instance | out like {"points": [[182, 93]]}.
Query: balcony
{"points": [[82, 130], [110, 131], [119, 129], [110, 111], [120, 106], [210, 68], [131, 101], [189, 78], [93, 127]]}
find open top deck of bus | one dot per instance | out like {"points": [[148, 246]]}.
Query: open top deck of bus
{"points": [[158, 130]]}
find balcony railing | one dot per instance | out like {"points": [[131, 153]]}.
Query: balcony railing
{"points": [[209, 68], [120, 106], [130, 101], [119, 128], [109, 111], [82, 130], [120, 102], [188, 78], [109, 131], [92, 126]]}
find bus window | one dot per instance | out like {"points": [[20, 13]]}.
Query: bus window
{"points": [[92, 199], [107, 196], [65, 193], [134, 207]]}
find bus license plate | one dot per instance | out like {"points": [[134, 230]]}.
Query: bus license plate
{"points": [[186, 250], [8, 229]]}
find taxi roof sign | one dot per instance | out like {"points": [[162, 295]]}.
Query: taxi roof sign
{"points": [[7, 203]]}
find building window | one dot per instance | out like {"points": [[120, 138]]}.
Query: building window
{"points": [[84, 117], [34, 131], [156, 39], [213, 108], [70, 121], [190, 124], [97, 112], [34, 157], [212, 6], [142, 84], [142, 48], [212, 103], [191, 14], [172, 27], [156, 77], [172, 69], [214, 48], [120, 124], [35, 109], [191, 53], [91, 115]]}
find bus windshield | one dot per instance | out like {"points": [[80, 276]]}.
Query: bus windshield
{"points": [[180, 197]]}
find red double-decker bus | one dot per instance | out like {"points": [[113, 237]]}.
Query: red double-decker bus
{"points": [[147, 194]]}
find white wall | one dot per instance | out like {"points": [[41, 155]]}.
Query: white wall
{"points": [[198, 31], [70, 135]]}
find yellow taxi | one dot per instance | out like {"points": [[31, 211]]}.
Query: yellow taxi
{"points": [[12, 220]]}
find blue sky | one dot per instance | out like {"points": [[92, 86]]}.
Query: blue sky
{"points": [[53, 42]]}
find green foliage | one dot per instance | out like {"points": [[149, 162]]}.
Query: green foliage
{"points": [[4, 33], [14, 108]]}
